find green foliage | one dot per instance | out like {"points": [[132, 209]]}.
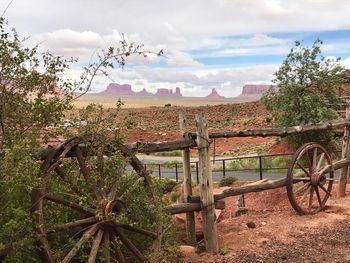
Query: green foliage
{"points": [[171, 164], [174, 196], [307, 85], [29, 95], [268, 163], [35, 95], [227, 181], [224, 251], [167, 185]]}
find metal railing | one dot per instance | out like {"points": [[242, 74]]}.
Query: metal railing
{"points": [[260, 167]]}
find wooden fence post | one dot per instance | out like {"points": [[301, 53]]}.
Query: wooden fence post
{"points": [[206, 186], [187, 183], [345, 153]]}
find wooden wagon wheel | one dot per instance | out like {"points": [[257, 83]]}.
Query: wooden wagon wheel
{"points": [[309, 179], [91, 210]]}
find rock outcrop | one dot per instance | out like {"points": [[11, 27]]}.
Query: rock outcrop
{"points": [[125, 90], [214, 95], [255, 89]]}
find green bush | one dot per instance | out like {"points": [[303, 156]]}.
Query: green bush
{"points": [[174, 196], [167, 185], [307, 85]]}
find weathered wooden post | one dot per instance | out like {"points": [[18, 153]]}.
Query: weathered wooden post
{"points": [[345, 153], [206, 186], [187, 182]]}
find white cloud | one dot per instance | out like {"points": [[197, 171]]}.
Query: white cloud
{"points": [[345, 62], [179, 58]]}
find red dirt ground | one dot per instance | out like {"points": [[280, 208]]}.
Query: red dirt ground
{"points": [[280, 234], [156, 124]]}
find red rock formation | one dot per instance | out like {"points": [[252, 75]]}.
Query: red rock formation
{"points": [[214, 95], [125, 90], [255, 89], [114, 89], [144, 93], [177, 92], [164, 93]]}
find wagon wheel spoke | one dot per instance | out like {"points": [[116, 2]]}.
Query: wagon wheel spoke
{"points": [[320, 161], [318, 196], [111, 195], [302, 188], [303, 168], [140, 231], [118, 252], [72, 187], [88, 234], [129, 245], [95, 246], [302, 199], [106, 247], [311, 197], [60, 200], [74, 224], [86, 174], [324, 189], [325, 169], [314, 160]]}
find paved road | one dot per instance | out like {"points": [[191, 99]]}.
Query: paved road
{"points": [[217, 175]]}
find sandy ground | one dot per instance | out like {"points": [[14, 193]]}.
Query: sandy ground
{"points": [[280, 234]]}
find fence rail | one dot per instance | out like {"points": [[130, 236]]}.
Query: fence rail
{"points": [[223, 167]]}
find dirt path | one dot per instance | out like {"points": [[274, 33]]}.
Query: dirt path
{"points": [[279, 234]]}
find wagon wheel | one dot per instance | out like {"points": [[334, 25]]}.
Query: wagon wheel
{"points": [[92, 207], [310, 179]]}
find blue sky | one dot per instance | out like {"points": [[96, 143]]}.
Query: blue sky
{"points": [[220, 44]]}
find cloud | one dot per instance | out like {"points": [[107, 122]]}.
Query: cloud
{"points": [[179, 58], [345, 62]]}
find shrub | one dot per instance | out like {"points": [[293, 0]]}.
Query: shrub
{"points": [[167, 185], [174, 196], [307, 86]]}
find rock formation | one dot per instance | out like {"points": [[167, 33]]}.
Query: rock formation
{"points": [[125, 90], [255, 89], [214, 95]]}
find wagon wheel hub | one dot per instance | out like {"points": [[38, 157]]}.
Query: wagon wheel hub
{"points": [[111, 208]]}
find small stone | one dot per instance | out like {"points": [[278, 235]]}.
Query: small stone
{"points": [[251, 225], [187, 250], [263, 223]]}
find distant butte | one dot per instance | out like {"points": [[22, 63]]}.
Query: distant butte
{"points": [[255, 89], [214, 95], [125, 90]]}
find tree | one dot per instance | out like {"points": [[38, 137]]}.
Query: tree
{"points": [[34, 91], [305, 91], [35, 94]]}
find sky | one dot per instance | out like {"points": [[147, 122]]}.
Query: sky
{"points": [[222, 44]]}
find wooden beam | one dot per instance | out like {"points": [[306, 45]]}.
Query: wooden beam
{"points": [[282, 132], [187, 183], [345, 154], [206, 186], [244, 189], [190, 207]]}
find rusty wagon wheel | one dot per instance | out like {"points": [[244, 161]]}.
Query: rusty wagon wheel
{"points": [[309, 179], [92, 227]]}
